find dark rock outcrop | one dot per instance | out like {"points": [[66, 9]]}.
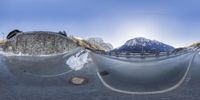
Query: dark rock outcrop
{"points": [[13, 33]]}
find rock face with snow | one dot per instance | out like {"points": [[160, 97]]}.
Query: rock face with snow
{"points": [[39, 43], [45, 43], [99, 42], [137, 45]]}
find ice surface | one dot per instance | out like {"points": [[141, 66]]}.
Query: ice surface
{"points": [[21, 54]]}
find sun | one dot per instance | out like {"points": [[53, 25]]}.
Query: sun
{"points": [[142, 28], [141, 31]]}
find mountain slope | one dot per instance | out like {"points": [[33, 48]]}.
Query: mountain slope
{"points": [[84, 43], [195, 44], [99, 42], [137, 45]]}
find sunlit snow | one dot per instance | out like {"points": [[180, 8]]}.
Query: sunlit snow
{"points": [[77, 61]]}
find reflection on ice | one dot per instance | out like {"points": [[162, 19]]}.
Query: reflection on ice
{"points": [[143, 77], [41, 66]]}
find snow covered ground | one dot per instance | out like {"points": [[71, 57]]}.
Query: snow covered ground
{"points": [[77, 61], [47, 55]]}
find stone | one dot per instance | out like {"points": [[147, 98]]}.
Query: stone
{"points": [[78, 80]]}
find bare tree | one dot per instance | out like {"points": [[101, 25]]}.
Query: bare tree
{"points": [[62, 33], [65, 33]]}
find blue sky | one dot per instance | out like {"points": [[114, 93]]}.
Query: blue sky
{"points": [[175, 22]]}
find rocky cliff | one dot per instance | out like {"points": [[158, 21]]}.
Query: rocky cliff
{"points": [[39, 43]]}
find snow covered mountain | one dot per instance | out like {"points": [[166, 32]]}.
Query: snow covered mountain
{"points": [[137, 45], [92, 43], [99, 42]]}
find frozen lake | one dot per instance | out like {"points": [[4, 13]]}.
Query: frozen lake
{"points": [[148, 76], [34, 78]]}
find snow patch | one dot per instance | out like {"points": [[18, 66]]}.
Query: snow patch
{"points": [[77, 61], [12, 54], [79, 38], [21, 54]]}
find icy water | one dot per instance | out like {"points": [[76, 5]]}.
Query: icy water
{"points": [[39, 78]]}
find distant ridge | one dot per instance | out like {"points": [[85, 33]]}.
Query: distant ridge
{"points": [[140, 44]]}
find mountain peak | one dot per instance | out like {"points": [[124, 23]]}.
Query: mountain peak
{"points": [[137, 41], [99, 41], [140, 43]]}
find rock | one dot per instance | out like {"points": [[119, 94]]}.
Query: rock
{"points": [[104, 73], [13, 33], [78, 80]]}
